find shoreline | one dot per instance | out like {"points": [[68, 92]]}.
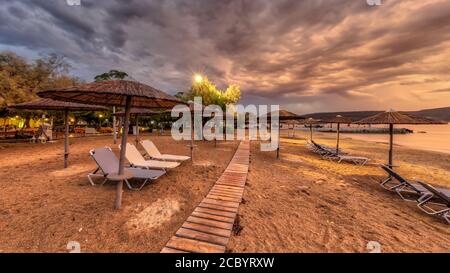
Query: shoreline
{"points": [[417, 141], [403, 145]]}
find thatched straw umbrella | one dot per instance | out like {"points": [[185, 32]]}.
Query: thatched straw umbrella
{"points": [[293, 123], [310, 122], [138, 112], [120, 93], [283, 116], [338, 120], [49, 104], [391, 118]]}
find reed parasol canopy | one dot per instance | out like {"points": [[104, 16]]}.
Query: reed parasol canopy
{"points": [[121, 93], [283, 115], [391, 118], [338, 120], [114, 93], [311, 122], [394, 117], [291, 122], [139, 112], [50, 104]]}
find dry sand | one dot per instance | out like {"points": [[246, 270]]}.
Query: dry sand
{"points": [[43, 207], [303, 203], [300, 203]]}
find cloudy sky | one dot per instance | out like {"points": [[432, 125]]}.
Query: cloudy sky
{"points": [[306, 55]]}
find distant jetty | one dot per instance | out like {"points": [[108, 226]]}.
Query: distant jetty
{"points": [[365, 130]]}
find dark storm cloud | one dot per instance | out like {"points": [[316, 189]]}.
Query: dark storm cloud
{"points": [[309, 53]]}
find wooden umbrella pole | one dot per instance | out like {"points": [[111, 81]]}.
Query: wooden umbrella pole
{"points": [[123, 147], [114, 126], [310, 132], [278, 148], [391, 140], [137, 130], [337, 138], [66, 138]]}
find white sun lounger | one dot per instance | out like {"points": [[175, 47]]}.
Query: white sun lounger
{"points": [[154, 153], [330, 153], [108, 163], [137, 160]]}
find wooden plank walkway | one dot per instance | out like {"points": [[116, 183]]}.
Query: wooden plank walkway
{"points": [[209, 227]]}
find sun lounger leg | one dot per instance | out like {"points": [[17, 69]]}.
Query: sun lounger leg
{"points": [[104, 181], [93, 175], [90, 179], [136, 188], [399, 190], [447, 217], [425, 199], [382, 183]]}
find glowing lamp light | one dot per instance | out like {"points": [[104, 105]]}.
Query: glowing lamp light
{"points": [[198, 78], [100, 116]]}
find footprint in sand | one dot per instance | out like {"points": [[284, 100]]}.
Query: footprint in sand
{"points": [[72, 170], [154, 215], [203, 163], [292, 158]]}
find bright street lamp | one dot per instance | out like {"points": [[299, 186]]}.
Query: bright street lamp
{"points": [[198, 78]]}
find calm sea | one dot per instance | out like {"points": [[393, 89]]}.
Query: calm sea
{"points": [[435, 137]]}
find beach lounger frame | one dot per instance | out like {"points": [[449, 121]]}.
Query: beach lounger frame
{"points": [[152, 152], [134, 157], [357, 160], [139, 174], [403, 187], [430, 208], [330, 153]]}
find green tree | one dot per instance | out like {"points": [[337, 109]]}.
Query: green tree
{"points": [[232, 95], [211, 94], [111, 75], [20, 80]]}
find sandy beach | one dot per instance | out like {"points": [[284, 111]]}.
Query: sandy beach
{"points": [[43, 206], [303, 203], [300, 203]]}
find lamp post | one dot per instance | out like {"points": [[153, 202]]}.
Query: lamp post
{"points": [[197, 79], [101, 121]]}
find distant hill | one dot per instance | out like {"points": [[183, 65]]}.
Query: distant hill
{"points": [[442, 114], [436, 113]]}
